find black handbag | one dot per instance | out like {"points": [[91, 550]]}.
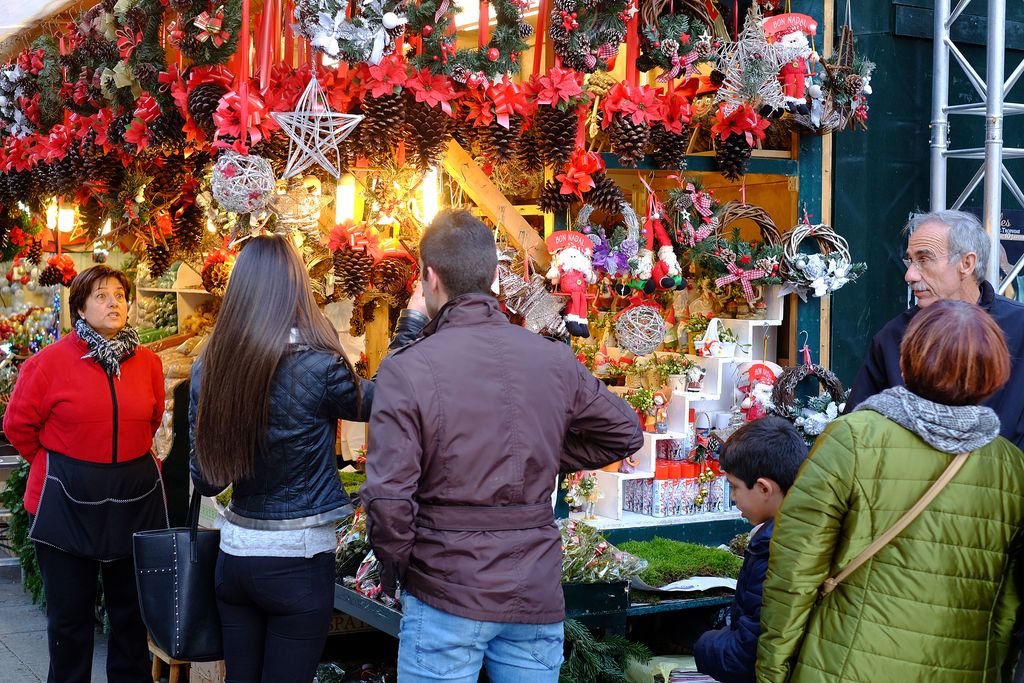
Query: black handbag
{"points": [[174, 572]]}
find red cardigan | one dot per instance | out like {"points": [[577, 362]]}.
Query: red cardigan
{"points": [[65, 404]]}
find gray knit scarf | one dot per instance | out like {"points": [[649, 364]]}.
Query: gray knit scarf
{"points": [[109, 353], [950, 429]]}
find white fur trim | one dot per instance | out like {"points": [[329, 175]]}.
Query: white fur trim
{"points": [[645, 264]]}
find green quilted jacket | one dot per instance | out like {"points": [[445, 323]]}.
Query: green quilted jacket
{"points": [[936, 604]]}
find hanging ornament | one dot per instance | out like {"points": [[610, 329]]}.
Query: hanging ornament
{"points": [[493, 54], [242, 183], [368, 36], [298, 208], [315, 131]]}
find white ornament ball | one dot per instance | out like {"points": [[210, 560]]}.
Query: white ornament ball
{"points": [[390, 20], [6, 290], [32, 286], [243, 183]]}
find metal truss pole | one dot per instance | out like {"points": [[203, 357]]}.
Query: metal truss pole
{"points": [[992, 105], [940, 100]]}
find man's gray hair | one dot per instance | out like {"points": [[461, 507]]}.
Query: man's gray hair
{"points": [[966, 235]]}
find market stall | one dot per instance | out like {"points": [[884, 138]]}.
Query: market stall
{"points": [[655, 173]]}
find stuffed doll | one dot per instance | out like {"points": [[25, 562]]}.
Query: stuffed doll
{"points": [[572, 270], [659, 271]]}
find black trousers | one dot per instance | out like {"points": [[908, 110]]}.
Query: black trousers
{"points": [[274, 613], [70, 585]]}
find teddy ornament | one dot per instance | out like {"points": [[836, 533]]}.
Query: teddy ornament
{"points": [[572, 270]]}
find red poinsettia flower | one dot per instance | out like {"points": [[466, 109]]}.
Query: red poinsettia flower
{"points": [[386, 78], [138, 134], [578, 176], [18, 237], [743, 120], [559, 87], [640, 104], [676, 112], [434, 90], [479, 108]]}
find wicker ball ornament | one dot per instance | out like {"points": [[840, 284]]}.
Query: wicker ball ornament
{"points": [[243, 183], [640, 329]]}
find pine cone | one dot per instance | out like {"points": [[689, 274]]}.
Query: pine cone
{"points": [[118, 126], [91, 217], [556, 134], [381, 130], [628, 139], [50, 276], [167, 131], [498, 142], [215, 278], [104, 168], [528, 153], [352, 271], [356, 322], [525, 30], [188, 229], [568, 6], [853, 84], [391, 275], [22, 185], [553, 201], [168, 177], [427, 130], [144, 71], [159, 259], [717, 77], [733, 156], [202, 103], [668, 148], [605, 194], [35, 253]]}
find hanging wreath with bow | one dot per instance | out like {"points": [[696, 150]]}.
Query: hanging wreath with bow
{"points": [[368, 36], [207, 32], [676, 44], [585, 35]]}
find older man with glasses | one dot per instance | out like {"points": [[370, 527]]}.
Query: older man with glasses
{"points": [[947, 253]]}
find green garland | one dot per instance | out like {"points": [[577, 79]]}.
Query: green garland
{"points": [[440, 55], [583, 42], [598, 661], [207, 52], [12, 497], [47, 84]]}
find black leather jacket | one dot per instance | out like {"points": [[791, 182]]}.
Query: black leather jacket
{"points": [[296, 483]]}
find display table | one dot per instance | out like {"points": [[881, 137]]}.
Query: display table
{"points": [[604, 605]]}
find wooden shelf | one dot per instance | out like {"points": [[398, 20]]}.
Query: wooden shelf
{"points": [[761, 162]]}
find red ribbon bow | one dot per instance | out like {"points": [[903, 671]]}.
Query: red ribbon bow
{"points": [[744, 277], [126, 42], [679, 64]]}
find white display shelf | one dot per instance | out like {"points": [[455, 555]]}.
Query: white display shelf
{"points": [[187, 289], [630, 520]]}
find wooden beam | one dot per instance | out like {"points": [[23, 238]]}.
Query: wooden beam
{"points": [[475, 183], [825, 322]]}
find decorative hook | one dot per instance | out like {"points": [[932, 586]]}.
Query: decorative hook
{"points": [[806, 335]]}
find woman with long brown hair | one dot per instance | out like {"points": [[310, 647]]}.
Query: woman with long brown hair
{"points": [[267, 393]]}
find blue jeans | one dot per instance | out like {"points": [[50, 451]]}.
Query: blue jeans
{"points": [[436, 646]]}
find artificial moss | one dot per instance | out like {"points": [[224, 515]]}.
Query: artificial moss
{"points": [[669, 561], [351, 480]]}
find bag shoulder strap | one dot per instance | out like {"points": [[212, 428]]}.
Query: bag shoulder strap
{"points": [[901, 524]]}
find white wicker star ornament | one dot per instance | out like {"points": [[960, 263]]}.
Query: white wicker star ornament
{"points": [[314, 131]]}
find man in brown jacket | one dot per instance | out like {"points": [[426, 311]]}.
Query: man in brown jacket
{"points": [[470, 426]]}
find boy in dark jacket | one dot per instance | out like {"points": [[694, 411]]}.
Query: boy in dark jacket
{"points": [[761, 461]]}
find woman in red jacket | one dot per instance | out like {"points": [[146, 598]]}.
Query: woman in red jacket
{"points": [[83, 414]]}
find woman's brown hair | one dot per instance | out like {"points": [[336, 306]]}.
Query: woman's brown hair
{"points": [[267, 296], [954, 353], [86, 281]]}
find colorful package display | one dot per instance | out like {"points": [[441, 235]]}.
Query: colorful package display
{"points": [[674, 449], [674, 497]]}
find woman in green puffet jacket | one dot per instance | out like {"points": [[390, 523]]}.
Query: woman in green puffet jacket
{"points": [[938, 602]]}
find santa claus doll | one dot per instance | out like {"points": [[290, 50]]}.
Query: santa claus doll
{"points": [[572, 270]]}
